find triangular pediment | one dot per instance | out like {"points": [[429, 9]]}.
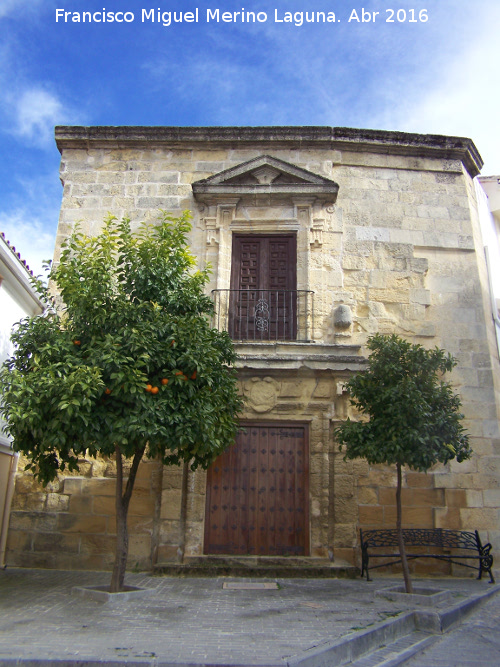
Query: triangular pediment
{"points": [[267, 178]]}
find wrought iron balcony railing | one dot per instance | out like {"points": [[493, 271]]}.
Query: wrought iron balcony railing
{"points": [[265, 315]]}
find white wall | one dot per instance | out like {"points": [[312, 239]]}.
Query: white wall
{"points": [[17, 300]]}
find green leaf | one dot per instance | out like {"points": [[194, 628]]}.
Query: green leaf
{"points": [[411, 416], [134, 312]]}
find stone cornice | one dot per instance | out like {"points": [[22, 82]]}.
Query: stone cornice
{"points": [[295, 356], [335, 138]]}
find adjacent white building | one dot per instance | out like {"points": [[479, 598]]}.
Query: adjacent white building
{"points": [[489, 213], [17, 300]]}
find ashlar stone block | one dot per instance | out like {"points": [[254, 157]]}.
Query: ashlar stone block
{"points": [[370, 516], [81, 523], [346, 510], [57, 502], [170, 504], [478, 518]]}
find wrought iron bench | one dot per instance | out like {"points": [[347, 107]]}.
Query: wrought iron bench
{"points": [[424, 537]]}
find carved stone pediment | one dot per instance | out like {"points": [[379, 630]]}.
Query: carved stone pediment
{"points": [[265, 180]]}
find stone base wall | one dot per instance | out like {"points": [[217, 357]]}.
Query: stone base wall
{"points": [[70, 524]]}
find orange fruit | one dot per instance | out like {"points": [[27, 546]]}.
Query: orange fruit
{"points": [[77, 342], [149, 387], [193, 376], [154, 390], [164, 381], [107, 391], [172, 343], [179, 373]]}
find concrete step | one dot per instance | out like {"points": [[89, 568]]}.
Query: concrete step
{"points": [[398, 652], [258, 566]]}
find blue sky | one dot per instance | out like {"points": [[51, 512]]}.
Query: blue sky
{"points": [[436, 76]]}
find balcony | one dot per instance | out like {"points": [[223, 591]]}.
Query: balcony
{"points": [[264, 314]]}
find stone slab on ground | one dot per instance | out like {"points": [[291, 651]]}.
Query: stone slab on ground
{"points": [[427, 597]]}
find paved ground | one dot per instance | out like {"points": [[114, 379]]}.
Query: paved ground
{"points": [[187, 621], [476, 642]]}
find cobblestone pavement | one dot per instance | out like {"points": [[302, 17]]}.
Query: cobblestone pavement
{"points": [[196, 621]]}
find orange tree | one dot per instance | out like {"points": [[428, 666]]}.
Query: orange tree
{"points": [[410, 415], [127, 365]]}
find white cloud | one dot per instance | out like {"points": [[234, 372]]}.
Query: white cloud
{"points": [[7, 6], [463, 101], [32, 236], [36, 113], [10, 6], [29, 109], [463, 105]]}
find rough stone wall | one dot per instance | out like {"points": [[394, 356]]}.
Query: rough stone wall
{"points": [[70, 523], [369, 251], [416, 267], [401, 248]]}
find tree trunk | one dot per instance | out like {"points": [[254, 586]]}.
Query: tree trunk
{"points": [[399, 528], [183, 515], [122, 503]]}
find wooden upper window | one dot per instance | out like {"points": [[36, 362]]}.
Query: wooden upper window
{"points": [[263, 302]]}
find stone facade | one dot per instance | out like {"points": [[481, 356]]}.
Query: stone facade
{"points": [[388, 239]]}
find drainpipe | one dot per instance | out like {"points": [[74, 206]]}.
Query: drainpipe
{"points": [[494, 310], [6, 510]]}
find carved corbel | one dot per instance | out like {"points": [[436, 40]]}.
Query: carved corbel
{"points": [[212, 231], [226, 213], [303, 215], [316, 233], [316, 238]]}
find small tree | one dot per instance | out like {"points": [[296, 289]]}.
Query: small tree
{"points": [[128, 366], [413, 416]]}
